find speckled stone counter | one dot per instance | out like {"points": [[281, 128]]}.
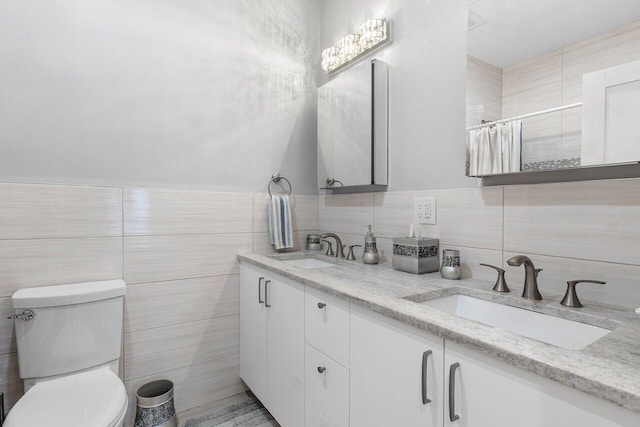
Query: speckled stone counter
{"points": [[608, 368]]}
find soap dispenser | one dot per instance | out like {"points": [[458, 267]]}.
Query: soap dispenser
{"points": [[370, 254]]}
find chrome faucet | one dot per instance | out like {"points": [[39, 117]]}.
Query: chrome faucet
{"points": [[530, 276], [339, 247]]}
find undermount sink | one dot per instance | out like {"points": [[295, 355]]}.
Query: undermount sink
{"points": [[308, 263], [542, 327]]}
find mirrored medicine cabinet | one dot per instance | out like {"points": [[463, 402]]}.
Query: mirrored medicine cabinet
{"points": [[552, 86], [352, 129]]}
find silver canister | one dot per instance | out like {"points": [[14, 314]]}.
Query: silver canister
{"points": [[313, 242], [370, 254], [450, 268]]}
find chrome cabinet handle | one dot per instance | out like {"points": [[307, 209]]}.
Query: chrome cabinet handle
{"points": [[425, 367], [321, 369], [260, 300], [266, 293], [452, 392], [26, 315], [321, 305]]}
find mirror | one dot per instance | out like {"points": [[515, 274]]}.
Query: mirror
{"points": [[352, 129], [560, 78]]}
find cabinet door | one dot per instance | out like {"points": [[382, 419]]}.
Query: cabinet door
{"points": [[327, 386], [326, 324], [253, 331], [315, 418], [389, 364], [611, 106], [285, 351], [488, 392]]}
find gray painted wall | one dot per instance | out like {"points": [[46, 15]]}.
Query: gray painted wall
{"points": [[197, 94], [427, 62]]}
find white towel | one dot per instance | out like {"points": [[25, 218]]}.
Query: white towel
{"points": [[280, 230]]}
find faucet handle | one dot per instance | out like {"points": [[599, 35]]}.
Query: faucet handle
{"points": [[329, 248], [501, 283], [351, 256], [571, 297]]}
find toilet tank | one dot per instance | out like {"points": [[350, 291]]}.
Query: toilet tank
{"points": [[75, 327]]}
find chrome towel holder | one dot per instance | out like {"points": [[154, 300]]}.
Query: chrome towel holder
{"points": [[276, 177]]}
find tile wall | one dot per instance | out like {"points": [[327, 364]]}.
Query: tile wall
{"points": [[484, 92], [177, 252], [583, 230]]}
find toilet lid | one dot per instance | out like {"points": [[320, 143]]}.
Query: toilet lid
{"points": [[94, 398]]}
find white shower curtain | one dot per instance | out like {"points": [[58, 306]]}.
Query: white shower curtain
{"points": [[511, 142], [495, 149]]}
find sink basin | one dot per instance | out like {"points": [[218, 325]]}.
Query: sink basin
{"points": [[542, 327], [308, 263]]}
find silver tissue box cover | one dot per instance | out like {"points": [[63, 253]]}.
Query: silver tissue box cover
{"points": [[414, 255]]}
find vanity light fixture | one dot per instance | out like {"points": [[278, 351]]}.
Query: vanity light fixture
{"points": [[373, 33]]}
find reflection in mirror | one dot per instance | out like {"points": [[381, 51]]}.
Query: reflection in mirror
{"points": [[528, 61], [352, 129]]}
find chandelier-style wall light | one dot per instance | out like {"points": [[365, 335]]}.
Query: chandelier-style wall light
{"points": [[373, 33]]}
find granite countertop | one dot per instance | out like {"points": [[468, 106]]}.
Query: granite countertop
{"points": [[609, 368]]}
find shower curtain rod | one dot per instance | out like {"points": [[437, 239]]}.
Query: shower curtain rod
{"points": [[524, 116]]}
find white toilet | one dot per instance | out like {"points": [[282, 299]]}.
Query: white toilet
{"points": [[69, 354]]}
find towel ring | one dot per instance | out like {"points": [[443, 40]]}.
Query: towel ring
{"points": [[276, 177]]}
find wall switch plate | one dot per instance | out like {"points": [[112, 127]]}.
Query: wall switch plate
{"points": [[424, 210]]}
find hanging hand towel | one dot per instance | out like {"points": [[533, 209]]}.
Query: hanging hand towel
{"points": [[280, 230]]}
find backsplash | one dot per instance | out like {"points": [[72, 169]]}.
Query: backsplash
{"points": [[177, 252], [584, 230]]}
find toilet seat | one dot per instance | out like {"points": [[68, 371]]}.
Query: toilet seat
{"points": [[95, 398]]}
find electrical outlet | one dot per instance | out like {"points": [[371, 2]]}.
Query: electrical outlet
{"points": [[424, 210]]}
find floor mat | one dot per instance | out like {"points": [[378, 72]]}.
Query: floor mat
{"points": [[249, 413]]}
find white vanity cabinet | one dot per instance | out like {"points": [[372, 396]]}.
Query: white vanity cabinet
{"points": [[488, 392], [272, 342], [387, 380], [391, 364], [316, 360]]}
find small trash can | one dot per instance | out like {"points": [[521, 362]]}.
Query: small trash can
{"points": [[155, 406]]}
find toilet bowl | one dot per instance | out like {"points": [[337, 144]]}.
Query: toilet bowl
{"points": [[95, 398], [69, 340]]}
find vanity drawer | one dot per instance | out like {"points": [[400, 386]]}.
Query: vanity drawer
{"points": [[326, 386], [327, 324], [314, 418]]}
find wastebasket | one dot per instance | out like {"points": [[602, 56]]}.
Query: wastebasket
{"points": [[155, 406]]}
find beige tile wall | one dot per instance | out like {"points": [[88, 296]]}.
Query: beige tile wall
{"points": [[580, 230], [177, 252], [484, 92]]}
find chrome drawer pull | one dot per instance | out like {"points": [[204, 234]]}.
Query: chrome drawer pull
{"points": [[452, 392], [425, 380], [266, 293], [260, 300]]}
